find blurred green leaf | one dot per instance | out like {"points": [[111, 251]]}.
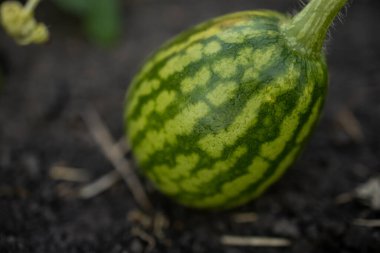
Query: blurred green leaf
{"points": [[103, 21], [77, 7], [101, 18]]}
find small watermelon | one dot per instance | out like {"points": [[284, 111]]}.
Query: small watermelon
{"points": [[218, 113]]}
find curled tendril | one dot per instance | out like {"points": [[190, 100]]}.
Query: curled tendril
{"points": [[20, 24]]}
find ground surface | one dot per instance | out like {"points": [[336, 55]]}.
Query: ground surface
{"points": [[40, 126]]}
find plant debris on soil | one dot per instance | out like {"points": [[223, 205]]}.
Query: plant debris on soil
{"points": [[326, 202]]}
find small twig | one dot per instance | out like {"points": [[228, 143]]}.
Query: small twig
{"points": [[160, 223], [254, 241], [8, 191], [244, 217], [138, 217], [100, 185], [136, 231], [155, 223], [116, 157], [106, 181], [66, 190], [345, 198], [69, 174], [121, 144], [368, 193], [367, 223], [350, 125]]}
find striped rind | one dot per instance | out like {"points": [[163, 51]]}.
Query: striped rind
{"points": [[220, 112]]}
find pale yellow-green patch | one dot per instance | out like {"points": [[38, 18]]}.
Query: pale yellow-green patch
{"points": [[181, 124], [215, 143], [258, 60], [179, 62], [184, 165], [234, 35], [163, 171], [138, 125], [212, 201], [244, 56], [212, 48], [147, 109], [144, 70], [166, 185], [272, 149], [191, 185], [164, 99], [257, 168], [200, 79], [261, 58], [225, 67], [247, 16], [222, 93], [184, 122], [251, 74], [142, 152], [310, 122], [242, 35], [151, 175], [205, 175], [195, 51], [235, 187], [176, 48], [173, 65], [284, 164], [143, 89]]}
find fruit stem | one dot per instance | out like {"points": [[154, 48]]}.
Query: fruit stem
{"points": [[307, 30], [31, 5]]}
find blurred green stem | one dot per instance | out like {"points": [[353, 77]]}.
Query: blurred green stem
{"points": [[31, 5], [308, 29]]}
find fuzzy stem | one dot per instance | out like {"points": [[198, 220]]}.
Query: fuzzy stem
{"points": [[31, 5], [307, 30]]}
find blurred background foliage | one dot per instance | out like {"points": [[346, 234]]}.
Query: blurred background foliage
{"points": [[101, 19]]}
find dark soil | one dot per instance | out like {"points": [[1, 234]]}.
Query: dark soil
{"points": [[48, 86]]}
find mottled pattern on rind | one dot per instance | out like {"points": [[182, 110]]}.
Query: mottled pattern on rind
{"points": [[220, 112], [254, 20]]}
